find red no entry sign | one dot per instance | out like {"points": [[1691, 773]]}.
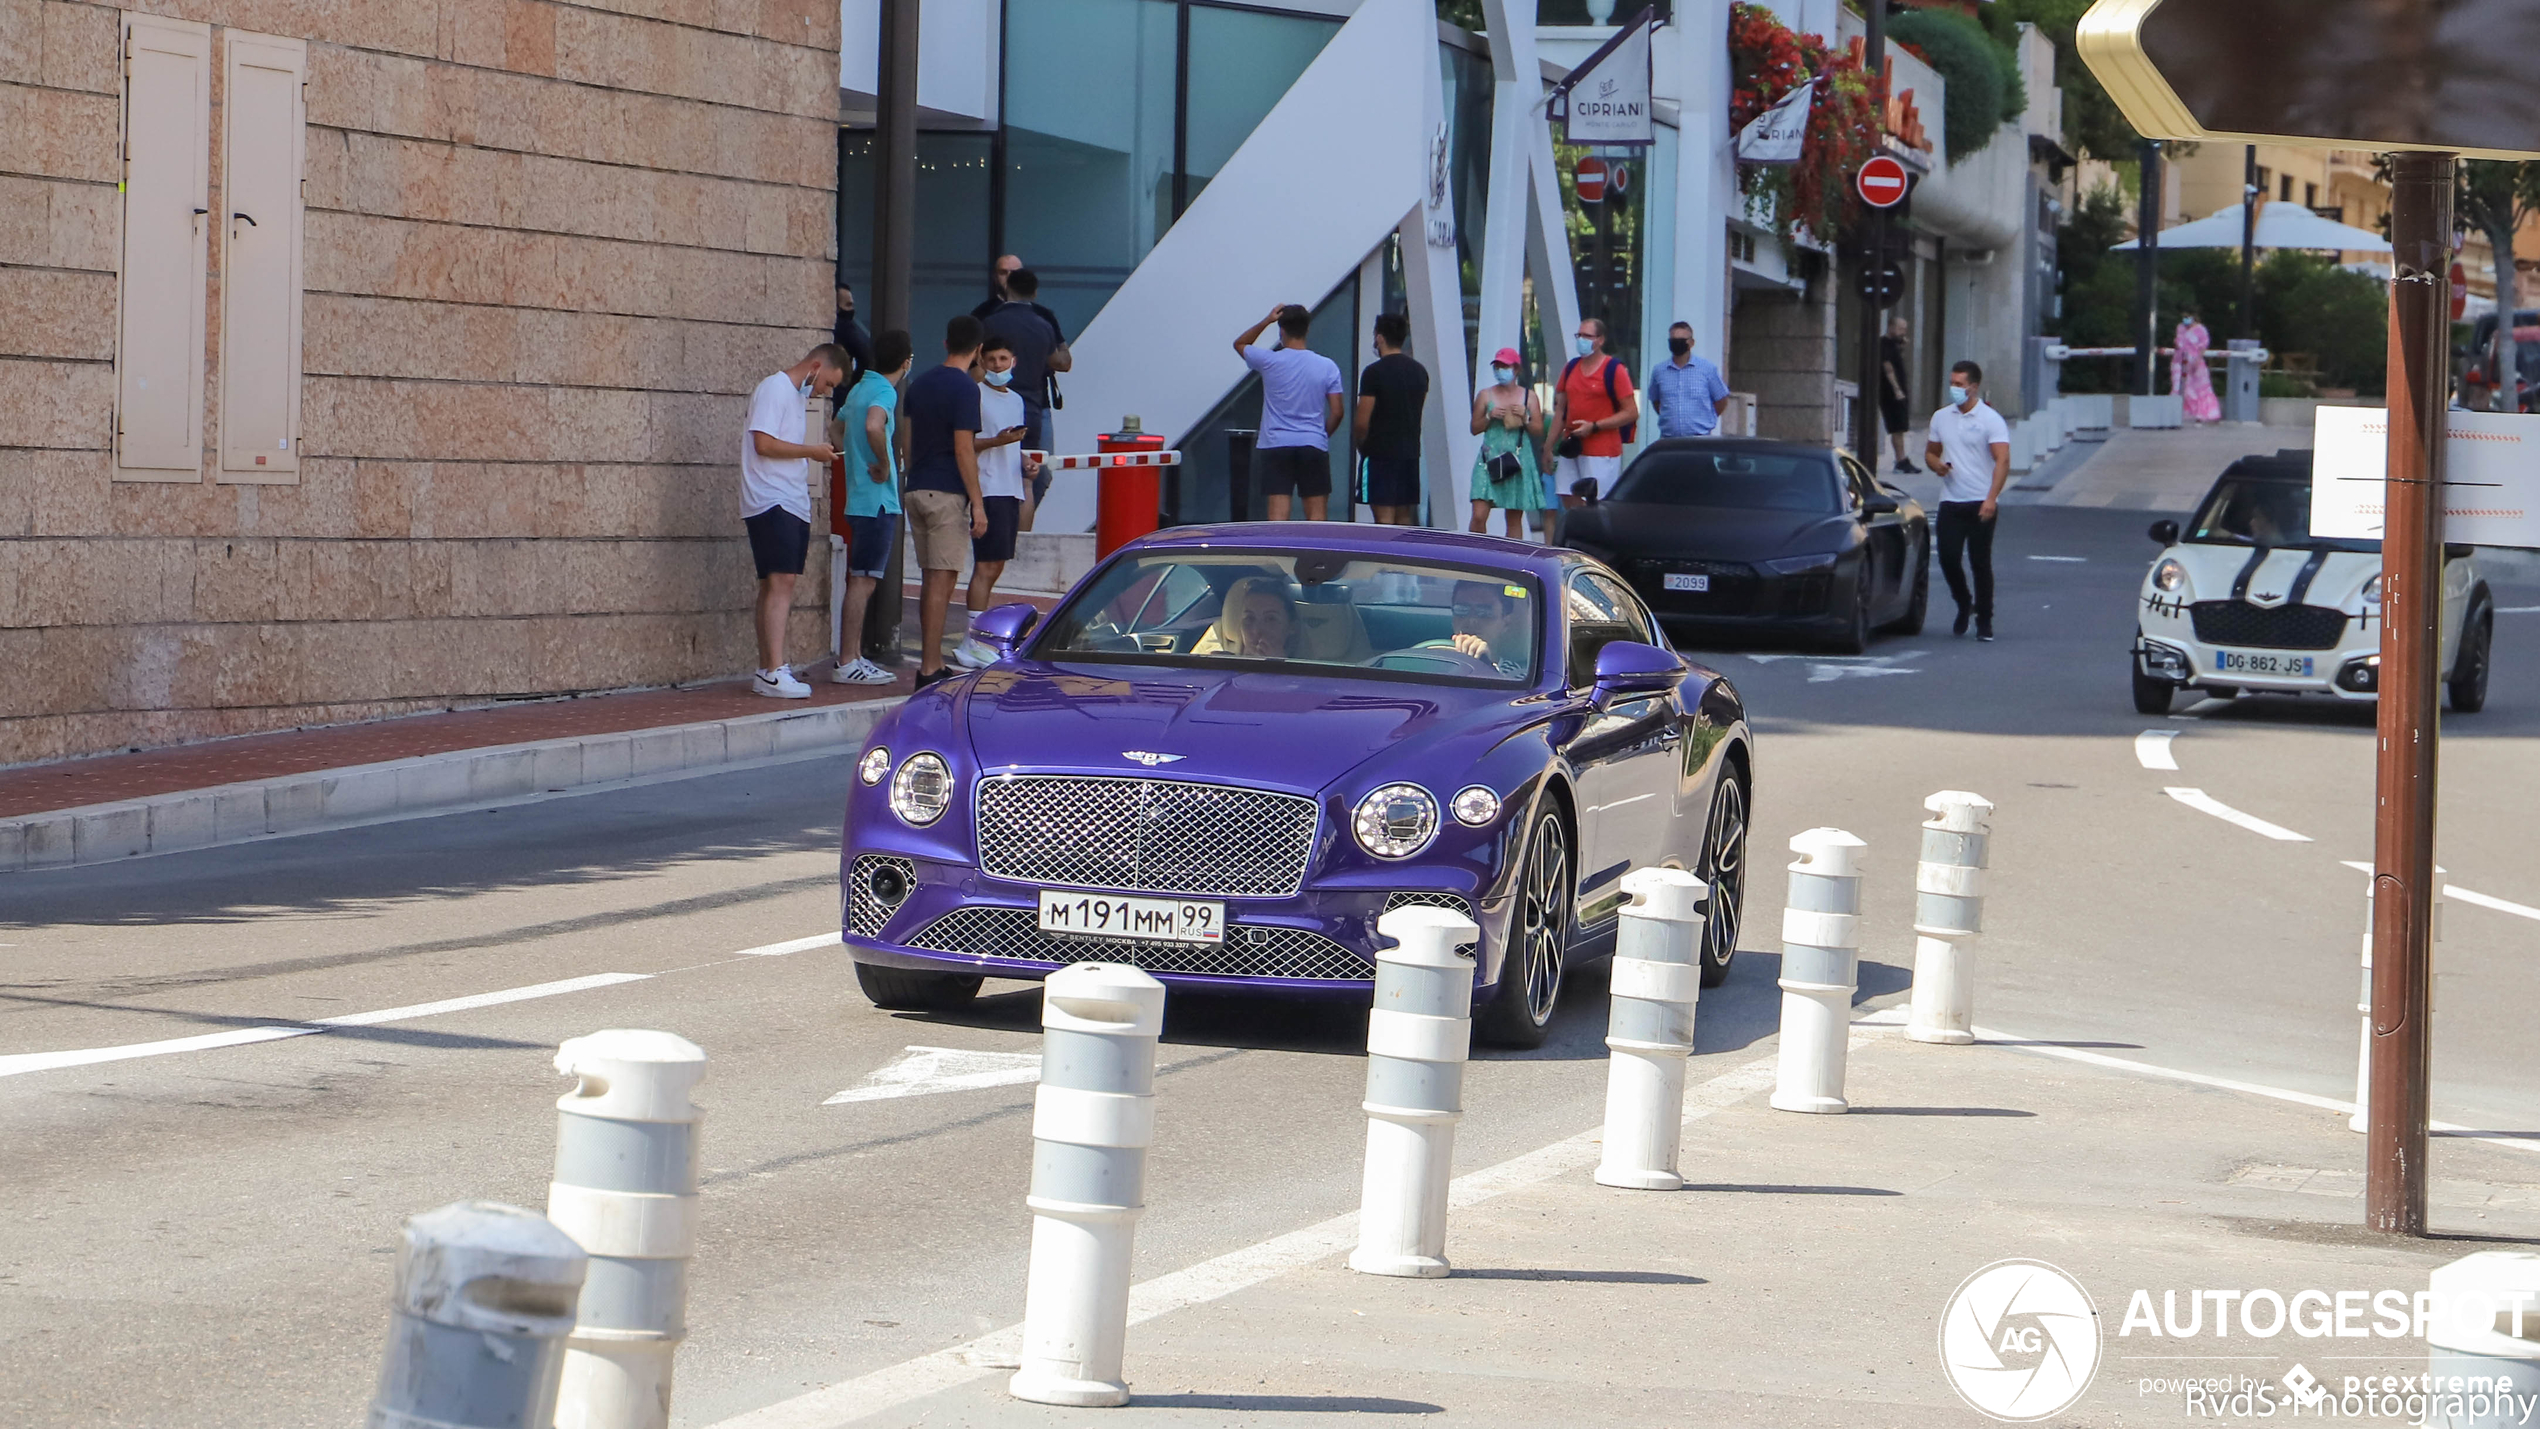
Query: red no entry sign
{"points": [[1881, 182], [1590, 180]]}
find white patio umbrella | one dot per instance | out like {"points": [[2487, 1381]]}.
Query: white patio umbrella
{"points": [[2280, 225]]}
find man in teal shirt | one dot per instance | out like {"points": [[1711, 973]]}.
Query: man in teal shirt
{"points": [[869, 414]]}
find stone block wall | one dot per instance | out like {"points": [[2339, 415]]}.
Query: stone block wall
{"points": [[1782, 348], [549, 248]]}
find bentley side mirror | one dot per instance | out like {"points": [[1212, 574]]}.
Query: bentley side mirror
{"points": [[1626, 667], [1002, 628], [2165, 532]]}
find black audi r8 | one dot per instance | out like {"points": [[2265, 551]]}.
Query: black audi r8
{"points": [[1740, 533]]}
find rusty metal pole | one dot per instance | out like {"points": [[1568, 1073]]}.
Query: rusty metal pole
{"points": [[2404, 768]]}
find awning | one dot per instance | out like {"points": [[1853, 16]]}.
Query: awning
{"points": [[2280, 225]]}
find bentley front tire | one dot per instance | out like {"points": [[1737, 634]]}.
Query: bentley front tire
{"points": [[1519, 1014]]}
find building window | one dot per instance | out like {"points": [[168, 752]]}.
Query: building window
{"points": [[262, 144], [2310, 195], [167, 125], [949, 273], [2285, 188]]}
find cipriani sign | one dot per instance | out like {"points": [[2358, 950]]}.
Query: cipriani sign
{"points": [[1606, 99]]}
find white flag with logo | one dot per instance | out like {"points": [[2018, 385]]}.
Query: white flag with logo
{"points": [[1776, 135], [1607, 96]]}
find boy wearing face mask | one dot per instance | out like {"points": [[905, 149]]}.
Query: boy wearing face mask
{"points": [[1001, 488], [1593, 408]]}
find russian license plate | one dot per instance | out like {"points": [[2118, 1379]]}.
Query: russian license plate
{"points": [[2251, 662], [1110, 915], [1679, 581]]}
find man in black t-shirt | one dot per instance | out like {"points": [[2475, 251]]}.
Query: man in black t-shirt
{"points": [[1391, 393], [1896, 390]]}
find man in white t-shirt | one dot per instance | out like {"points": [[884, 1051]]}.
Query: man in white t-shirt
{"points": [[776, 500], [1002, 488], [1969, 449]]}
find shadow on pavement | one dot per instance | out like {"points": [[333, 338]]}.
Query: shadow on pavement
{"points": [[1580, 1277], [1799, 1190], [1286, 1403]]}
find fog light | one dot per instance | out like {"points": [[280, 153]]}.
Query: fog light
{"points": [[888, 883]]}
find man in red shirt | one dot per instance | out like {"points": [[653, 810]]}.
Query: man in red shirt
{"points": [[1593, 407]]}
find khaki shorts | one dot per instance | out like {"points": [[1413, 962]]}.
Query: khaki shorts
{"points": [[939, 521]]}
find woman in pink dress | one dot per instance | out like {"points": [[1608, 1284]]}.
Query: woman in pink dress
{"points": [[2188, 378]]}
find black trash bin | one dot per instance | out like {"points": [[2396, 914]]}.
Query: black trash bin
{"points": [[1239, 473]]}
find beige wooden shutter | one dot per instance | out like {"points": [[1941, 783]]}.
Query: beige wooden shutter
{"points": [[159, 330], [261, 149]]}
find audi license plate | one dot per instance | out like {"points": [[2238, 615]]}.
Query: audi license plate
{"points": [[1154, 920], [1678, 581], [2251, 662]]}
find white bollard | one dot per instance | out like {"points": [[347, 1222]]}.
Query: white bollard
{"points": [[626, 1189], [2363, 1004], [483, 1300], [1657, 980], [1419, 1035], [1092, 1121], [2482, 1346], [1821, 940], [1948, 910]]}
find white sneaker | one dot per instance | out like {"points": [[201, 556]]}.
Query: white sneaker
{"points": [[860, 671], [974, 654], [780, 684]]}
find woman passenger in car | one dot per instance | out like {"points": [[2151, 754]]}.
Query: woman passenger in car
{"points": [[1257, 621]]}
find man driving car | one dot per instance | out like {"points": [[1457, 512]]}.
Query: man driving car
{"points": [[1491, 624]]}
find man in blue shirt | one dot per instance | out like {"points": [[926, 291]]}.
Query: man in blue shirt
{"points": [[1687, 390], [1300, 406]]}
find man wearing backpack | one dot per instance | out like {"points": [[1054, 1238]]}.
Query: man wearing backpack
{"points": [[1594, 411]]}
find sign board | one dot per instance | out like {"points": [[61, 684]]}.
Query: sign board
{"points": [[1777, 135], [2491, 476], [2360, 74], [1882, 182], [1588, 180], [1606, 99]]}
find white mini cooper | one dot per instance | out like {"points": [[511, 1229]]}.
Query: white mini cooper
{"points": [[2247, 599]]}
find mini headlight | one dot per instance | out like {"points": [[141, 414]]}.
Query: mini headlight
{"points": [[922, 790], [2169, 575], [1475, 806], [2372, 591], [875, 763], [1396, 821]]}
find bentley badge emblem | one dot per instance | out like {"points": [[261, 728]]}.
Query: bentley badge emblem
{"points": [[1149, 760]]}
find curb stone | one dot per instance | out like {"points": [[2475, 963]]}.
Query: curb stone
{"points": [[430, 783]]}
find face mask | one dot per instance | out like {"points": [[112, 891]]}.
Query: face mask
{"points": [[999, 379], [1680, 345], [1957, 396], [1586, 346], [1504, 374]]}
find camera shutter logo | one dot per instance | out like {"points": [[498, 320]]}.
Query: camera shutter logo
{"points": [[2019, 1340]]}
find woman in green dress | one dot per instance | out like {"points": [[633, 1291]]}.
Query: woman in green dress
{"points": [[1511, 425]]}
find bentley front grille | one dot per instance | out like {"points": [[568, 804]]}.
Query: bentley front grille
{"points": [[1130, 835]]}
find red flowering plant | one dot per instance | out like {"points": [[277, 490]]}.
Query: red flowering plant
{"points": [[1767, 61]]}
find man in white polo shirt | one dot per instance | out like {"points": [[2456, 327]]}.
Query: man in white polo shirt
{"points": [[1969, 449]]}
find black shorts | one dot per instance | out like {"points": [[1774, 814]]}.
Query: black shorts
{"points": [[779, 540], [1393, 481], [1005, 517], [1892, 409], [1292, 471]]}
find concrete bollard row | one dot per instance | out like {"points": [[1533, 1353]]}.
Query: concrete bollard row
{"points": [[1092, 1121], [625, 1189], [1821, 941], [483, 1300], [1949, 910], [1419, 1035], [1656, 982]]}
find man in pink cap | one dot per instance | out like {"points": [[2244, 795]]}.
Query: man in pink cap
{"points": [[1391, 393], [1510, 423]]}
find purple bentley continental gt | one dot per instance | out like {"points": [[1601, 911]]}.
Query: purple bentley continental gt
{"points": [[1231, 748]]}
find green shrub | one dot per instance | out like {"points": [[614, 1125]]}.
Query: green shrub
{"points": [[1985, 90]]}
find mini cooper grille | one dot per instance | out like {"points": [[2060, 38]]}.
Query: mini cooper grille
{"points": [[1249, 951], [1451, 902], [865, 913], [1134, 835], [2287, 627]]}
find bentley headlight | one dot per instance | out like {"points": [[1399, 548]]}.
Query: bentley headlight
{"points": [[2169, 575], [2372, 591], [1475, 806], [875, 763], [1396, 821], [922, 790]]}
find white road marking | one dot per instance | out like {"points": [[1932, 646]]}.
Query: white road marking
{"points": [[797, 945], [2518, 610], [924, 1071], [2064, 560], [885, 1389], [2152, 749], [2454, 890], [2203, 802], [24, 1062]]}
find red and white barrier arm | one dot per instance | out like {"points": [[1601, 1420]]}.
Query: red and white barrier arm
{"points": [[1086, 460]]}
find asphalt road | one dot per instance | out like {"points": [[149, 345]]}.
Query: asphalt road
{"points": [[203, 1238]]}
